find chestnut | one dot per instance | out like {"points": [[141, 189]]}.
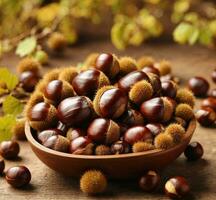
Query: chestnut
{"points": [[75, 110], [157, 109], [108, 64], [130, 79], [169, 89], [194, 151], [206, 116], [88, 82], [149, 181], [42, 116], [9, 149], [155, 83], [131, 118], [57, 90], [151, 69], [2, 165], [82, 146], [199, 86], [209, 102], [74, 133], [103, 131], [110, 102], [28, 80], [212, 93], [138, 133], [155, 128], [62, 127], [18, 176], [214, 75], [177, 187], [120, 147], [57, 143], [44, 135]]}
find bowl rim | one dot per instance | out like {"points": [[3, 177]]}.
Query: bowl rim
{"points": [[189, 132]]}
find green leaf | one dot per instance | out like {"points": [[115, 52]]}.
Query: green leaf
{"points": [[6, 122], [117, 35], [12, 106], [194, 35], [26, 46], [206, 37], [7, 77]]}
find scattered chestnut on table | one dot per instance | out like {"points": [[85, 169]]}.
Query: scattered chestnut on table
{"points": [[9, 149], [214, 75], [209, 102], [18, 176], [2, 165], [199, 86], [212, 93], [194, 151], [150, 181], [206, 116], [177, 187]]}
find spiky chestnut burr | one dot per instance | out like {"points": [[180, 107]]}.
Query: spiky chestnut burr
{"points": [[56, 41], [102, 150], [91, 59], [75, 111], [127, 65], [29, 64], [19, 129], [184, 111], [58, 90], [108, 64], [88, 82], [185, 96], [68, 74], [145, 61], [176, 131], [103, 131], [42, 116], [142, 146], [164, 67], [163, 141], [93, 182], [52, 75], [110, 102]]}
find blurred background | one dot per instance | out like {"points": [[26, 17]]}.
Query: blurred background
{"points": [[33, 27]]}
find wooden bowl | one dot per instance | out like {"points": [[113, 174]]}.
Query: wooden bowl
{"points": [[122, 166]]}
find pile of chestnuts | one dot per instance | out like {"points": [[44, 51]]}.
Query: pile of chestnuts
{"points": [[110, 105]]}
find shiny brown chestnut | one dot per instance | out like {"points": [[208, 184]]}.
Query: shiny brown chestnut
{"points": [[177, 187], [58, 90], [44, 135], [212, 93], [9, 149], [28, 80], [206, 116], [209, 102], [110, 102], [131, 118], [103, 131], [82, 146], [155, 128], [156, 84], [88, 82], [120, 147], [169, 89], [130, 79], [157, 109], [18, 176], [39, 112], [108, 64], [138, 133], [194, 151], [74, 133], [199, 86], [170, 77], [150, 181], [74, 111], [57, 143], [2, 165], [151, 69], [214, 75]]}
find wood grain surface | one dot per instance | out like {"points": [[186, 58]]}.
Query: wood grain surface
{"points": [[47, 184]]}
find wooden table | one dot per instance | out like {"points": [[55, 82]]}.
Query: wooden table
{"points": [[47, 184]]}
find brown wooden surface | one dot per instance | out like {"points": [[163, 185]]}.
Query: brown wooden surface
{"points": [[47, 184]]}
